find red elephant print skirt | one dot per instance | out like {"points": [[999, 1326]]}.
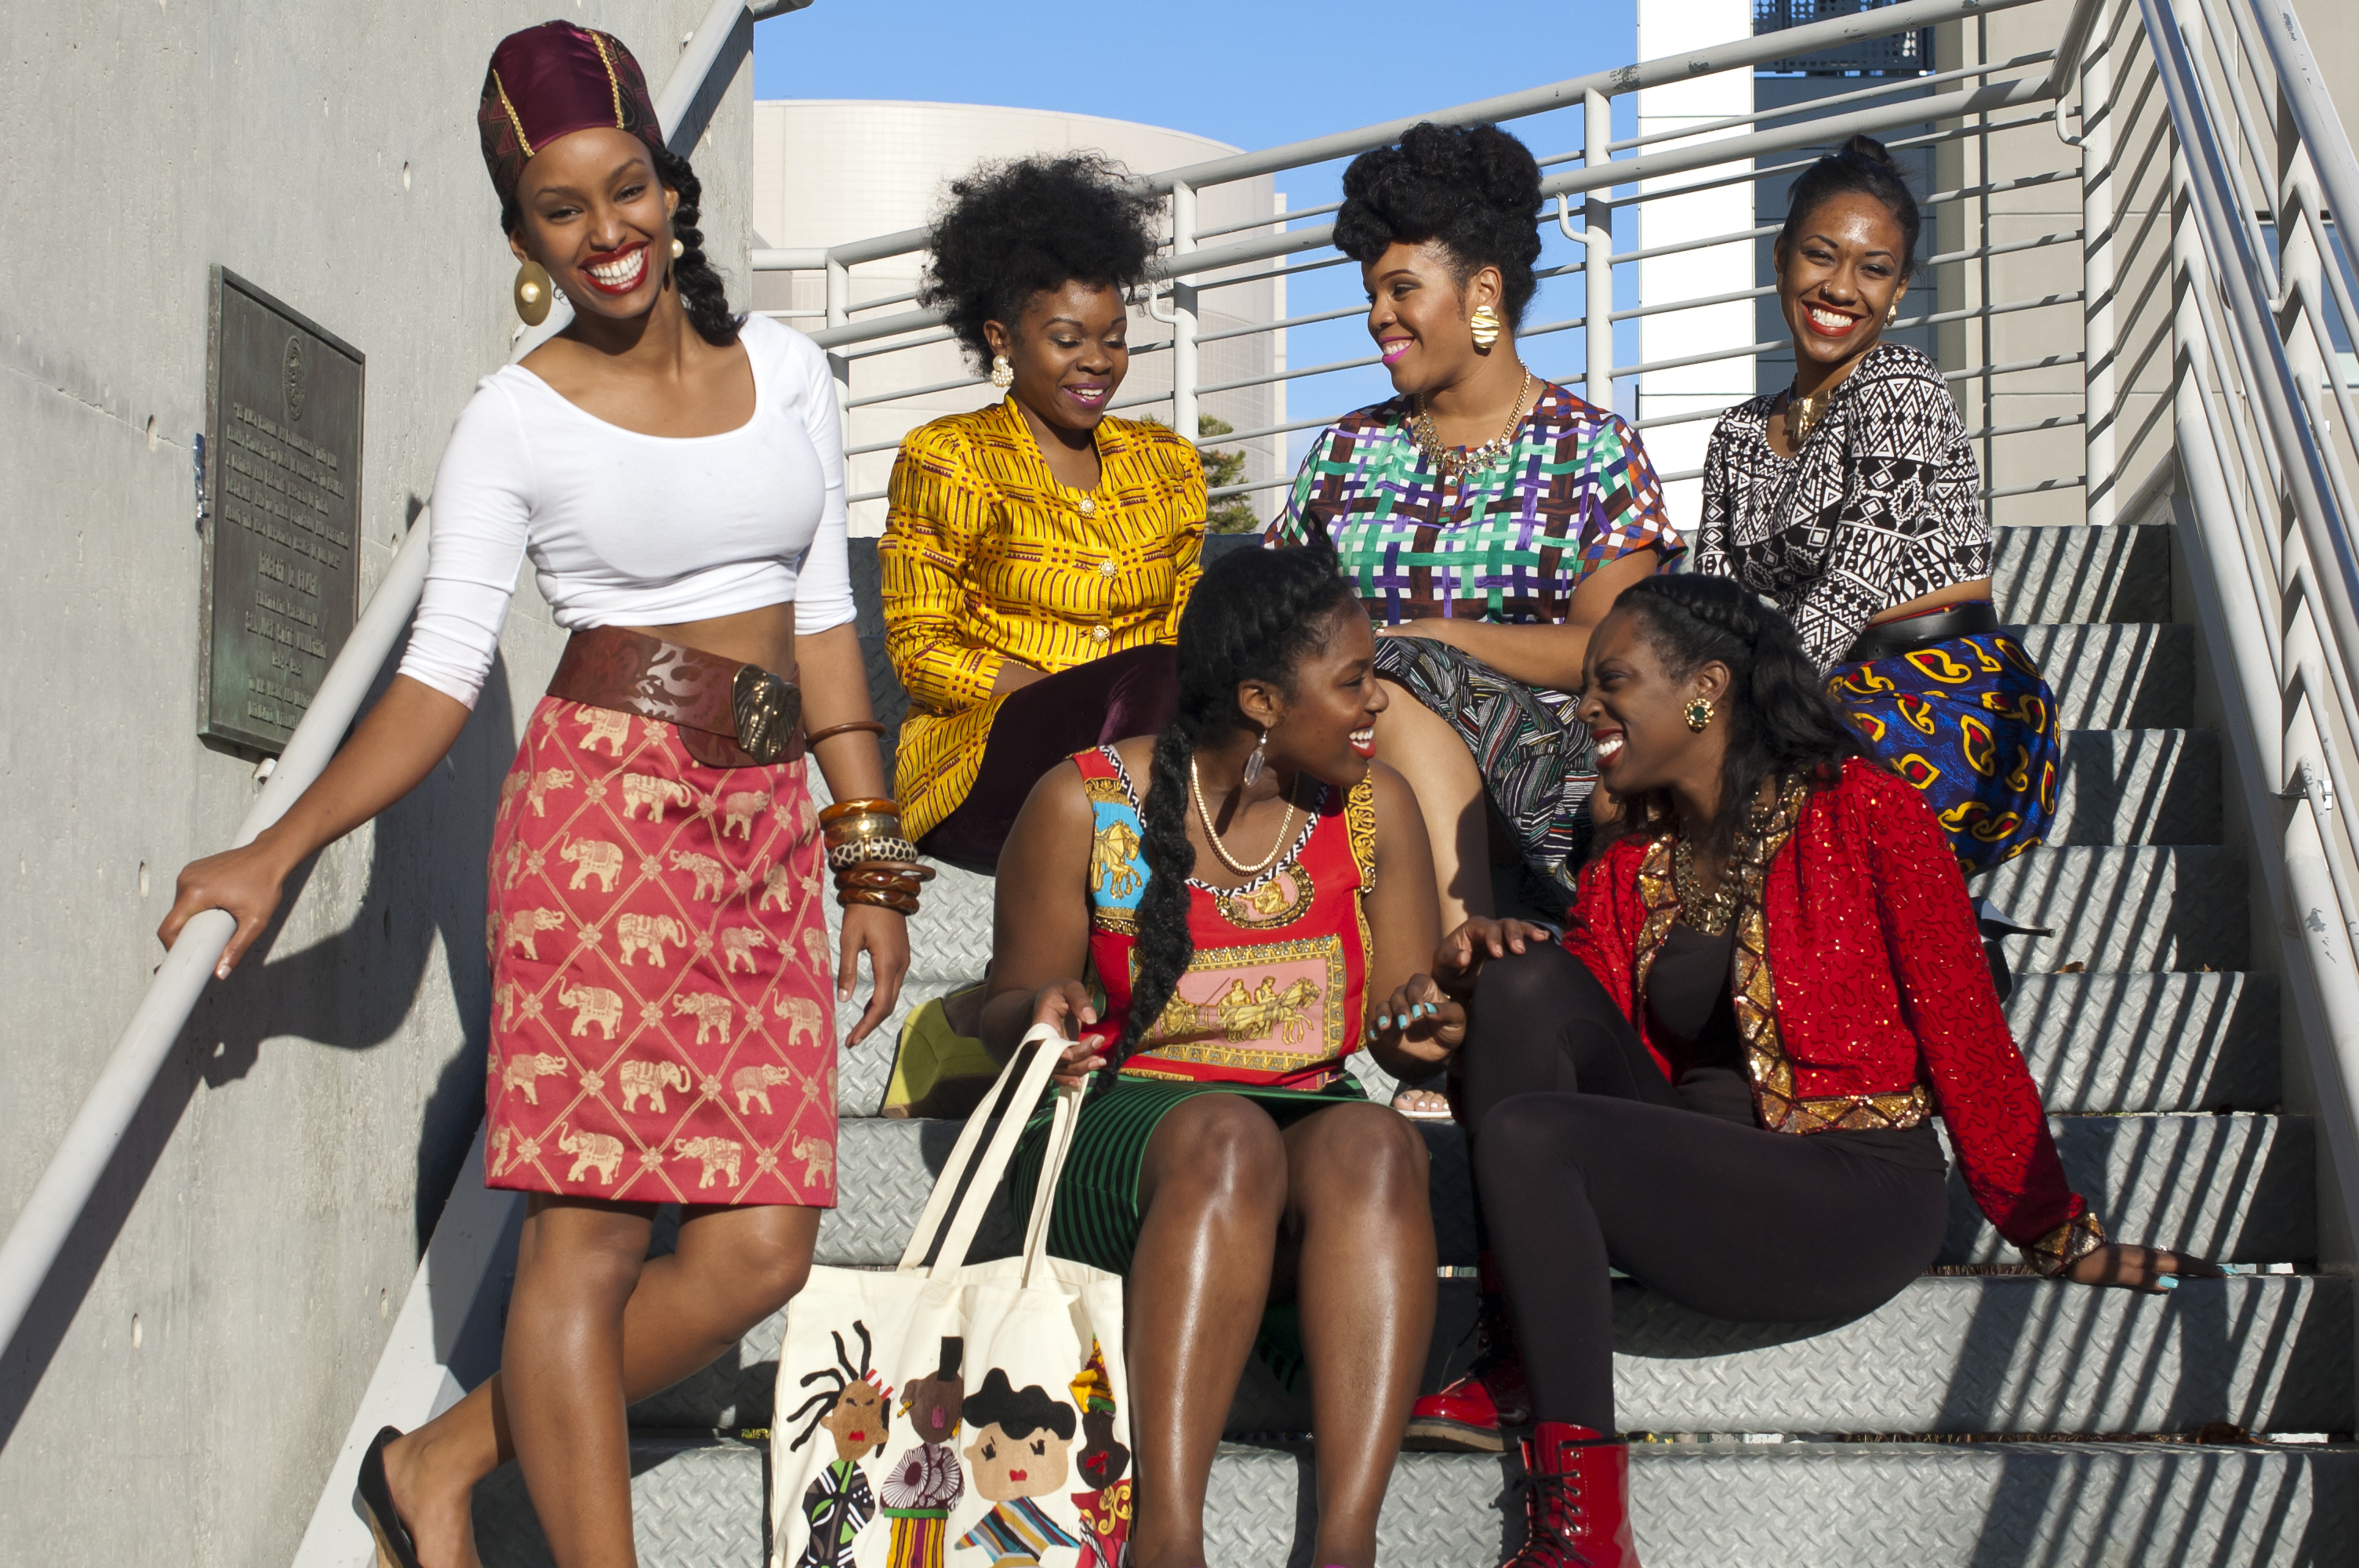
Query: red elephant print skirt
{"points": [[663, 1009]]}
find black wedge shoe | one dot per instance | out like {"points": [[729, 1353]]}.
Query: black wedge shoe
{"points": [[372, 1500]]}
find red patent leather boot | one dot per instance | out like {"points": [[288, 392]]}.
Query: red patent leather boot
{"points": [[1577, 1500], [1473, 1414]]}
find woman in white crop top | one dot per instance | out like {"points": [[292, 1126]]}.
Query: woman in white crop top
{"points": [[664, 987]]}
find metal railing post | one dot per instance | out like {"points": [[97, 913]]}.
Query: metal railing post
{"points": [[839, 311], [2099, 265], [1597, 271], [1184, 292]]}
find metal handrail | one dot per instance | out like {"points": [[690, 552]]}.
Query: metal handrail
{"points": [[56, 1203]]}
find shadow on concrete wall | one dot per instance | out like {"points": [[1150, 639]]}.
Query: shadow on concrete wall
{"points": [[351, 990]]}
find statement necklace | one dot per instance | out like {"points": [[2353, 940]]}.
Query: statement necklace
{"points": [[1711, 913], [1804, 414], [1454, 460], [1204, 813]]}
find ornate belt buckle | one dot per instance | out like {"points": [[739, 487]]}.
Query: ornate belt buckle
{"points": [[768, 710]]}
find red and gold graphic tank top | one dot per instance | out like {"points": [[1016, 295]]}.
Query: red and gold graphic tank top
{"points": [[1275, 997]]}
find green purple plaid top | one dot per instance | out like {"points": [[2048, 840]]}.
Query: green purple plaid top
{"points": [[1509, 543]]}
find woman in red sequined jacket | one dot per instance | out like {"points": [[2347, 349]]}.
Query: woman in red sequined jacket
{"points": [[1723, 1081]]}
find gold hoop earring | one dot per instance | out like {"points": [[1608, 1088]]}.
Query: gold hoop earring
{"points": [[534, 293], [1484, 324], [1699, 714], [1003, 374]]}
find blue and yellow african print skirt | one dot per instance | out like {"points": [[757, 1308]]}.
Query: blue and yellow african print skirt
{"points": [[1971, 723]]}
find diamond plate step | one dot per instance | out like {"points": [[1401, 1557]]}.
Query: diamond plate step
{"points": [[2153, 907], [2078, 573], [2270, 1353], [696, 1502], [2240, 1189], [1810, 1505], [2146, 1042], [2139, 786], [2116, 678]]}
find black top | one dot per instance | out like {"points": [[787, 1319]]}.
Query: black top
{"points": [[1691, 1016]]}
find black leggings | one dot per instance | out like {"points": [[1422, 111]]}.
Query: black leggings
{"points": [[1586, 1155]]}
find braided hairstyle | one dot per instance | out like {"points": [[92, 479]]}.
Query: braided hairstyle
{"points": [[1254, 615], [1780, 720], [702, 292], [1860, 167]]}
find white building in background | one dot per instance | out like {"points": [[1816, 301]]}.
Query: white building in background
{"points": [[827, 171], [1664, 27]]}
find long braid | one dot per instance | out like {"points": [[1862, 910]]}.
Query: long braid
{"points": [[1781, 721], [1253, 616], [702, 292]]}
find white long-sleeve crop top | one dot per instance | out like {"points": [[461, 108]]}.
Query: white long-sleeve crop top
{"points": [[633, 530]]}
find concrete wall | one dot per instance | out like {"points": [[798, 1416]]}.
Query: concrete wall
{"points": [[181, 1387], [828, 171]]}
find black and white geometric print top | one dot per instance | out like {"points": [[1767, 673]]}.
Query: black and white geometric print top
{"points": [[1877, 508]]}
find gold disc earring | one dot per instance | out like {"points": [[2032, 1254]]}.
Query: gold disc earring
{"points": [[1003, 374], [1699, 714], [1484, 324], [534, 292]]}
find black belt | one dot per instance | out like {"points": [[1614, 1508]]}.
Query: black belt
{"points": [[1894, 638]]}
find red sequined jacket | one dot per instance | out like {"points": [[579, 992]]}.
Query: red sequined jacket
{"points": [[1862, 997]]}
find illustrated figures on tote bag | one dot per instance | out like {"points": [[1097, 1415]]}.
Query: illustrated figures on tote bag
{"points": [[1010, 1451]]}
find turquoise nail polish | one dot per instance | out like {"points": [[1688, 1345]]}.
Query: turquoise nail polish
{"points": [[2169, 1282]]}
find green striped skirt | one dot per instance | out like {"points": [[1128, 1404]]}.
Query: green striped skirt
{"points": [[1097, 1216]]}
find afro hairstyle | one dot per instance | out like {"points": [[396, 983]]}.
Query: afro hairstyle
{"points": [[1474, 188], [1013, 230]]}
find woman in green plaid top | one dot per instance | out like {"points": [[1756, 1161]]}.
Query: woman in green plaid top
{"points": [[1487, 517]]}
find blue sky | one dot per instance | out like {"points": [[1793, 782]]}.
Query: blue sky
{"points": [[1249, 72]]}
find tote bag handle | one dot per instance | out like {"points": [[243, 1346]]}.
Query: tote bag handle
{"points": [[1013, 1097]]}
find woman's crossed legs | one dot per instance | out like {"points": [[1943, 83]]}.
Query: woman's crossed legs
{"points": [[1331, 1210]]}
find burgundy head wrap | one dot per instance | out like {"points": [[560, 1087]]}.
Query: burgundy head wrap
{"points": [[552, 81]]}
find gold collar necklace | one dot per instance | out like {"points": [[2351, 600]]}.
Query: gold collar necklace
{"points": [[1454, 460], [1804, 414], [1203, 813]]}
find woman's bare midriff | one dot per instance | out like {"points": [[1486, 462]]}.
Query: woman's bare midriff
{"points": [[764, 637], [1956, 593]]}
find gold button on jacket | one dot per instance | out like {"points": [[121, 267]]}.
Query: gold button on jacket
{"points": [[986, 558]]}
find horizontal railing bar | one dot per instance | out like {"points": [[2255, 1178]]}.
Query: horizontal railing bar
{"points": [[876, 397], [1276, 219], [1816, 105], [2072, 484], [2054, 422], [1257, 433], [801, 258], [919, 341], [1247, 332], [791, 315], [1899, 144], [2013, 366], [1735, 55]]}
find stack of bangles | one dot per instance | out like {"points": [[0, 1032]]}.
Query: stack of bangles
{"points": [[873, 862]]}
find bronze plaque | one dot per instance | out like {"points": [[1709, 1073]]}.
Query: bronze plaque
{"points": [[282, 544]]}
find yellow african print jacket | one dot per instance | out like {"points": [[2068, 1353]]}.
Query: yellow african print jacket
{"points": [[986, 558]]}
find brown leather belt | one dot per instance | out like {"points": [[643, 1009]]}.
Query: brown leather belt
{"points": [[730, 714], [1967, 618]]}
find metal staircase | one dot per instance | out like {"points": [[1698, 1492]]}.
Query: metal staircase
{"points": [[2199, 620], [2157, 1057]]}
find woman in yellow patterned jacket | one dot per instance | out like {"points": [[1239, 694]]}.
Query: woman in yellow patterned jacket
{"points": [[1037, 553]]}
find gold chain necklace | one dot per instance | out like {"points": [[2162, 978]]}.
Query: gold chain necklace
{"points": [[1712, 913], [1285, 829], [1453, 461]]}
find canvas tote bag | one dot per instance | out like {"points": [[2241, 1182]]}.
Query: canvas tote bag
{"points": [[959, 1415]]}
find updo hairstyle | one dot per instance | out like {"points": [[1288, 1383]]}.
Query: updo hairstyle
{"points": [[1862, 166], [1254, 615], [1013, 230], [1474, 188], [1780, 720]]}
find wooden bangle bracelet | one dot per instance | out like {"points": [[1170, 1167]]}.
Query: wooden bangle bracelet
{"points": [[887, 806]]}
